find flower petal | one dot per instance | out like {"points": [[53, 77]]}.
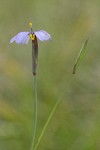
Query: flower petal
{"points": [[42, 35], [21, 38]]}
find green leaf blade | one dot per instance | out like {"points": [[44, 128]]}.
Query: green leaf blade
{"points": [[80, 56]]}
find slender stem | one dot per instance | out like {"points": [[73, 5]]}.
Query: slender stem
{"points": [[51, 114], [82, 51], [35, 113]]}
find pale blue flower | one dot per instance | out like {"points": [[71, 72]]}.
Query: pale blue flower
{"points": [[23, 37]]}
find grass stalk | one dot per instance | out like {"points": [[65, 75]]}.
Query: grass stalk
{"points": [[35, 113]]}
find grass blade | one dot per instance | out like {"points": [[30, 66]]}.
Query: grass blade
{"points": [[80, 56]]}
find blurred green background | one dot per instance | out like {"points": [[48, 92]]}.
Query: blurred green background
{"points": [[76, 123]]}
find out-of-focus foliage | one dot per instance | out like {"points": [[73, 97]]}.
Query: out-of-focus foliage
{"points": [[76, 123]]}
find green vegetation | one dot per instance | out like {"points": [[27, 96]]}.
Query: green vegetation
{"points": [[75, 125]]}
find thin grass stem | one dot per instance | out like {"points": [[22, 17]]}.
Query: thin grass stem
{"points": [[35, 113]]}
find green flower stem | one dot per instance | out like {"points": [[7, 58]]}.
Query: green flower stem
{"points": [[35, 113]]}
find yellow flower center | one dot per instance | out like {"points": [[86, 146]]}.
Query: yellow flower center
{"points": [[32, 36]]}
